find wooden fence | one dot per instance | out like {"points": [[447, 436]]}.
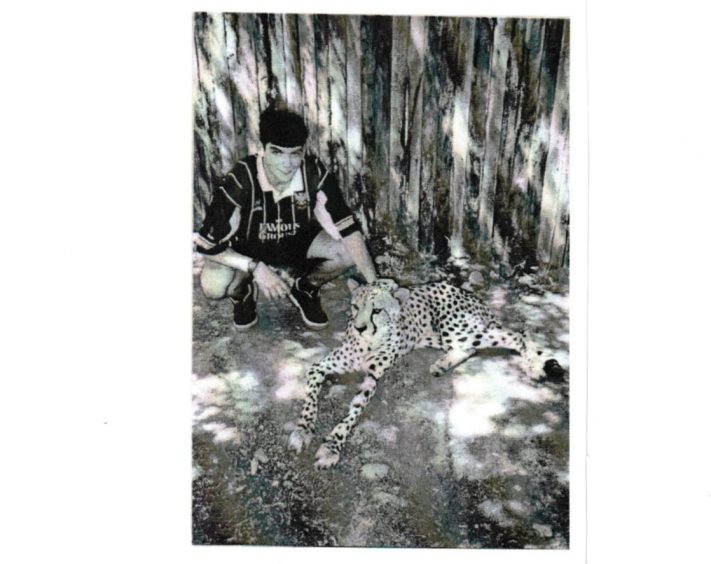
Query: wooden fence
{"points": [[449, 134]]}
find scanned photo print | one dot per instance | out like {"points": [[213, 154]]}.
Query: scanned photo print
{"points": [[381, 273]]}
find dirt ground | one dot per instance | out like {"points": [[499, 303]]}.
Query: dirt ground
{"points": [[477, 458]]}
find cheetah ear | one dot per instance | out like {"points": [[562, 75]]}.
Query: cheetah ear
{"points": [[392, 306], [387, 284], [402, 294], [352, 285]]}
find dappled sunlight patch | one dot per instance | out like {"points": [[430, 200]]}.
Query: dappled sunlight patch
{"points": [[291, 372], [307, 354], [464, 463], [543, 530], [552, 418], [384, 498], [222, 433], [336, 391], [497, 298], [383, 434], [207, 413], [494, 510], [289, 383], [517, 508], [479, 398], [312, 354], [209, 391], [539, 311], [301, 352], [515, 431], [222, 400], [374, 471], [534, 316]]}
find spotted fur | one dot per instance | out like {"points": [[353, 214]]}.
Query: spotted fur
{"points": [[387, 323]]}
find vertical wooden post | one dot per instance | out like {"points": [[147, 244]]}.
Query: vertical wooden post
{"points": [[309, 86], [492, 149], [208, 130], [264, 65], [460, 135], [505, 229], [239, 117], [338, 99], [442, 35], [247, 78], [218, 92], [354, 115], [481, 72], [552, 240], [430, 133], [321, 35], [399, 117], [275, 38], [201, 140], [376, 42], [417, 47], [528, 160], [292, 63]]}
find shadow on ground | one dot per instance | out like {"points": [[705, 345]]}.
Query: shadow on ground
{"points": [[478, 458]]}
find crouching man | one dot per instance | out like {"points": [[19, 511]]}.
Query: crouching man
{"points": [[279, 208]]}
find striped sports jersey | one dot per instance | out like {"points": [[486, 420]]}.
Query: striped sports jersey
{"points": [[245, 215]]}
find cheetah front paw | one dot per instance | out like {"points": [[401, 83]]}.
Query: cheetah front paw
{"points": [[299, 439], [326, 456]]}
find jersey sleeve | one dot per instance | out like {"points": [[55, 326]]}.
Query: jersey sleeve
{"points": [[336, 206], [221, 217]]}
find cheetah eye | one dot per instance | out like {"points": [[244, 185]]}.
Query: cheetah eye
{"points": [[376, 310]]}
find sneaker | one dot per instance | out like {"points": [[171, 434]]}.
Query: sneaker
{"points": [[306, 298], [245, 308]]}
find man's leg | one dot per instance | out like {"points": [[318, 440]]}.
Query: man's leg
{"points": [[326, 259], [219, 281]]}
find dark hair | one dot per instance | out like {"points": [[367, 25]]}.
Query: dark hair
{"points": [[282, 127]]}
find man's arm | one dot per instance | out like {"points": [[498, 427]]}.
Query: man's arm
{"points": [[221, 221], [269, 282], [232, 259], [333, 214]]}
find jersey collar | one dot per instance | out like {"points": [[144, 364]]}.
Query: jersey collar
{"points": [[296, 184]]}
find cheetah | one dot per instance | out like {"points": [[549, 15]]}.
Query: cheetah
{"points": [[386, 323]]}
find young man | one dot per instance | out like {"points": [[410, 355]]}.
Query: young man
{"points": [[278, 208]]}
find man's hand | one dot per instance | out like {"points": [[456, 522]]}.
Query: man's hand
{"points": [[269, 282]]}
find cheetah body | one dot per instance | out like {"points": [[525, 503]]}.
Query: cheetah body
{"points": [[386, 323]]}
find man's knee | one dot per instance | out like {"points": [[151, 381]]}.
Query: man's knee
{"points": [[334, 254], [215, 280], [344, 257]]}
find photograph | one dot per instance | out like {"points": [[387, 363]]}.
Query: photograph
{"points": [[381, 281], [386, 282]]}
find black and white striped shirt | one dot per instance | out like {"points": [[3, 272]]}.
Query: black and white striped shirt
{"points": [[244, 213]]}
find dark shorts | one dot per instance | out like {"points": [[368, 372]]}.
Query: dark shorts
{"points": [[287, 253]]}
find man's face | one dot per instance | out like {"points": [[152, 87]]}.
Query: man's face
{"points": [[282, 162]]}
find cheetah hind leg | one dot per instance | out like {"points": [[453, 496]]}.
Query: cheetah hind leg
{"points": [[451, 358]]}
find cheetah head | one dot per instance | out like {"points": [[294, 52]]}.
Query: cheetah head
{"points": [[374, 308]]}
